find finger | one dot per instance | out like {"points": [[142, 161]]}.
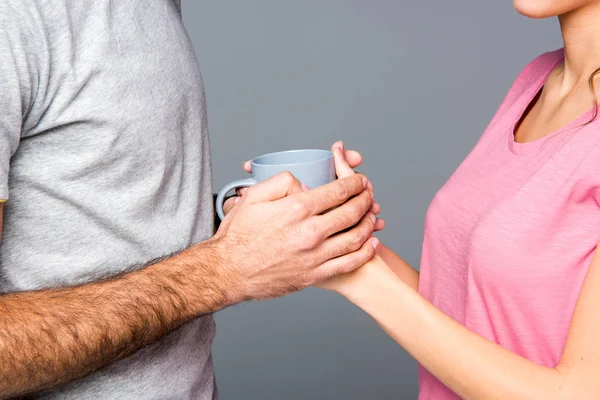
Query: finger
{"points": [[241, 191], [342, 169], [230, 204], [342, 165], [379, 224], [349, 241], [247, 165], [344, 216], [353, 157], [370, 186], [347, 263], [375, 208], [328, 196], [275, 188]]}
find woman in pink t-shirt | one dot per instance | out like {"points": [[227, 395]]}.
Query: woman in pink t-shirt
{"points": [[507, 303]]}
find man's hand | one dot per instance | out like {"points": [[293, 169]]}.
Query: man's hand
{"points": [[352, 158], [280, 238], [344, 167]]}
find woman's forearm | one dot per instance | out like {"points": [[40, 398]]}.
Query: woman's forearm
{"points": [[470, 365], [401, 268]]}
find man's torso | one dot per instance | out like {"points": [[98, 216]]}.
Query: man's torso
{"points": [[112, 171]]}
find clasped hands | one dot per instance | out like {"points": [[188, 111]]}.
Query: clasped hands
{"points": [[345, 162]]}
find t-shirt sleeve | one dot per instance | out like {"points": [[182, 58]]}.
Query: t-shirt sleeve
{"points": [[18, 54], [10, 118]]}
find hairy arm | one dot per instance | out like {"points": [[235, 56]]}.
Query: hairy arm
{"points": [[49, 337]]}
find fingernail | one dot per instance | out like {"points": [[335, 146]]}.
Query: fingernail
{"points": [[372, 218], [375, 242], [305, 188], [365, 182], [236, 200]]}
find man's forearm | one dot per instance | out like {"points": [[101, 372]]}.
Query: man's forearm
{"points": [[53, 336]]}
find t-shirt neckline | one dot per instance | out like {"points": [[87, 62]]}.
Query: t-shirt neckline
{"points": [[536, 88]]}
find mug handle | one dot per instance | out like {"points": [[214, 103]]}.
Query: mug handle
{"points": [[231, 185]]}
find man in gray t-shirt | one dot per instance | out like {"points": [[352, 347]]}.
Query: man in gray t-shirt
{"points": [[109, 270]]}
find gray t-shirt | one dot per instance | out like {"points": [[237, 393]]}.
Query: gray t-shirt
{"points": [[104, 160]]}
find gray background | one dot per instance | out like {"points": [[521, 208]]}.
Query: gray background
{"points": [[410, 84]]}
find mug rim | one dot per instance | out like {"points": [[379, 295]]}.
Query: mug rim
{"points": [[327, 155]]}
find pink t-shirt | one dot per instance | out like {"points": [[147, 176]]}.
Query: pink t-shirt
{"points": [[509, 238]]}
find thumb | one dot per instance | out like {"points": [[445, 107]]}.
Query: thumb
{"points": [[275, 188], [342, 168]]}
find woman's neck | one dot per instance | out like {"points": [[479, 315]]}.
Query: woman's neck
{"points": [[581, 35]]}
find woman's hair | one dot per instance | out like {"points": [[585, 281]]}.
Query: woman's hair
{"points": [[593, 93]]}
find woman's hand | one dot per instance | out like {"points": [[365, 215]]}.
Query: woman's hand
{"points": [[348, 284]]}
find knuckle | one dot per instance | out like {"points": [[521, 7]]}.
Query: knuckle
{"points": [[250, 192], [356, 240], [353, 214], [303, 259], [352, 242], [355, 211], [302, 280], [346, 221], [311, 236], [367, 198], [348, 266], [312, 278], [357, 182], [327, 271], [358, 258], [344, 267], [299, 209], [288, 178], [341, 192], [369, 226], [313, 240], [368, 252]]}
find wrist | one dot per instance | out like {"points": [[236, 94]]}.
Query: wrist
{"points": [[371, 281], [226, 279], [205, 287]]}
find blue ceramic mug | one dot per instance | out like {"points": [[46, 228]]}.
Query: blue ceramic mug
{"points": [[311, 167]]}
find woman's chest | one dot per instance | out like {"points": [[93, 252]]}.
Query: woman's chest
{"points": [[524, 220]]}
